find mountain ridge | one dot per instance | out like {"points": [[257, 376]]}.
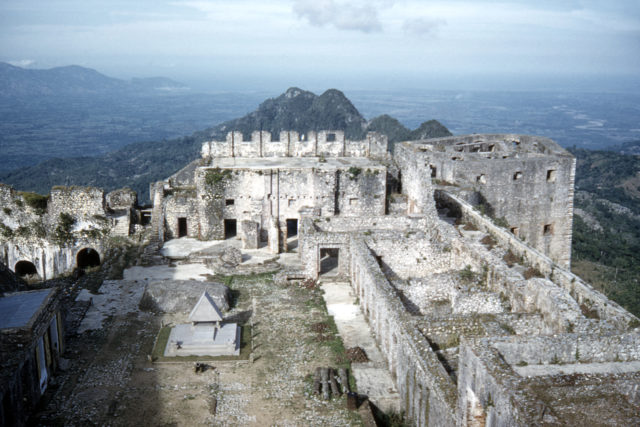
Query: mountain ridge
{"points": [[72, 80], [138, 164]]}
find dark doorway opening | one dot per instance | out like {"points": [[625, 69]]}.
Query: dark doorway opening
{"points": [[25, 268], [230, 228], [292, 227], [182, 227], [292, 235], [329, 260], [88, 257]]}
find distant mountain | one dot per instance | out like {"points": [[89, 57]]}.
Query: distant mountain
{"points": [[301, 111], [391, 127], [138, 164], [430, 129], [72, 80]]}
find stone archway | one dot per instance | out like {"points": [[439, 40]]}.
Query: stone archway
{"points": [[25, 268], [87, 257]]}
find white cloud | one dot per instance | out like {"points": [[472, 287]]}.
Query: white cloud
{"points": [[344, 15]]}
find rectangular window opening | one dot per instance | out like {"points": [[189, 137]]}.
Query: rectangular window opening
{"points": [[551, 175], [331, 137], [229, 202], [547, 229], [434, 171]]}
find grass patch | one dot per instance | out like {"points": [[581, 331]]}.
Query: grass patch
{"points": [[163, 338]]}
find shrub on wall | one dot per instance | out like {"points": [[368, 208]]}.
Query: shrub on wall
{"points": [[63, 234]]}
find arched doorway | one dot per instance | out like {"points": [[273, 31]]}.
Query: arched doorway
{"points": [[88, 257], [25, 268]]}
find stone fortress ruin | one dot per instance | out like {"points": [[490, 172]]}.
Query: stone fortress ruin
{"points": [[457, 249]]}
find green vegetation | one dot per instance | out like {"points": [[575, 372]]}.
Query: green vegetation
{"points": [[354, 172], [467, 275], [607, 253], [5, 232], [35, 201], [215, 176], [63, 234]]}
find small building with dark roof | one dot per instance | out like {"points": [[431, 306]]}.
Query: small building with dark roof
{"points": [[31, 342]]}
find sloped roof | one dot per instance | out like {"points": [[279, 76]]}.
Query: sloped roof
{"points": [[18, 309], [205, 310]]}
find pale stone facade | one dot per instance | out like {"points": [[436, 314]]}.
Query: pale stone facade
{"points": [[270, 183]]}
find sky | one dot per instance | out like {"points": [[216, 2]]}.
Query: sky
{"points": [[356, 44]]}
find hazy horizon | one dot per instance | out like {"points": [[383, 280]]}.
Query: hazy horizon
{"points": [[248, 45]]}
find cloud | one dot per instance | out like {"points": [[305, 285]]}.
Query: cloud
{"points": [[422, 26], [343, 15], [23, 63]]}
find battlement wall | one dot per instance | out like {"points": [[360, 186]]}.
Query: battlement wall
{"points": [[292, 144]]}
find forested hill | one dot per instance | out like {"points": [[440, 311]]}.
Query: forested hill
{"points": [[136, 165], [606, 232]]}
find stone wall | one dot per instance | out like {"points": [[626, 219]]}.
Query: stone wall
{"points": [[79, 202], [261, 194], [315, 144], [415, 180], [181, 203], [33, 231], [579, 290], [427, 391], [49, 259], [527, 181], [491, 390]]}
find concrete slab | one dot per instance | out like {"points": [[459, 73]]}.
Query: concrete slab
{"points": [[372, 378], [185, 246], [203, 340], [164, 272]]}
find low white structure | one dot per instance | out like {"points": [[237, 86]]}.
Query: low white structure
{"points": [[206, 335]]}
